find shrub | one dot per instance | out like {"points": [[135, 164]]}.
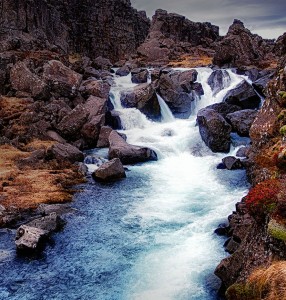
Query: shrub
{"points": [[262, 199]]}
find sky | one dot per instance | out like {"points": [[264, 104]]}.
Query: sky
{"points": [[264, 17]]}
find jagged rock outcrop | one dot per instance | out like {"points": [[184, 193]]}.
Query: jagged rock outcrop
{"points": [[108, 28], [172, 35], [242, 48]]}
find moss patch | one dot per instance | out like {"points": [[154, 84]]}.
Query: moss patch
{"points": [[277, 230], [283, 130]]}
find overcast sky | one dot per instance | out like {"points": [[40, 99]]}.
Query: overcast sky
{"points": [[265, 17]]}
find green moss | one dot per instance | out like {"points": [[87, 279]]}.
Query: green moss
{"points": [[282, 115], [239, 292], [277, 230], [283, 130], [282, 94]]}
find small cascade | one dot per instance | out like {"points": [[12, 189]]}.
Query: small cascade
{"points": [[166, 113], [133, 118]]}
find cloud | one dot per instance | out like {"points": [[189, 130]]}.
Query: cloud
{"points": [[263, 17]]}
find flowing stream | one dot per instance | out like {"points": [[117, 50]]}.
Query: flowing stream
{"points": [[148, 237]]}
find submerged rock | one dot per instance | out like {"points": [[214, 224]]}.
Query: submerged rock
{"points": [[232, 163], [219, 80], [128, 154], [110, 171]]}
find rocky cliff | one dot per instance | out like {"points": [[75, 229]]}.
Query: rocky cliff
{"points": [[240, 48], [257, 229], [172, 36], [108, 28]]}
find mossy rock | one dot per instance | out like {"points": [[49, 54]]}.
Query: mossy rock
{"points": [[283, 130], [239, 291], [277, 230]]}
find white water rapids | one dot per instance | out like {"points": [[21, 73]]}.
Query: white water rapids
{"points": [[190, 197]]}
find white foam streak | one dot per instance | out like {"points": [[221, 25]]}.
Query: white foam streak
{"points": [[166, 113]]}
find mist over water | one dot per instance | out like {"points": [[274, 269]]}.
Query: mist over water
{"points": [[149, 237]]}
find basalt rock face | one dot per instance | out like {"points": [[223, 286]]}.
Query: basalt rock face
{"points": [[253, 242], [108, 28], [172, 35], [242, 48]]}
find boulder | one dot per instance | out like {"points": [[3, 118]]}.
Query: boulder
{"points": [[224, 108], [55, 137], [179, 90], [62, 80], [90, 131], [66, 152], [260, 84], [95, 106], [142, 97], [101, 63], [29, 238], [242, 152], [50, 223], [219, 80], [110, 171], [24, 81], [232, 163], [214, 130], [123, 71], [103, 139], [139, 75], [242, 120], [97, 88], [243, 95], [72, 123], [128, 154]]}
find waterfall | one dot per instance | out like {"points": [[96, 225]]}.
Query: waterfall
{"points": [[166, 113]]}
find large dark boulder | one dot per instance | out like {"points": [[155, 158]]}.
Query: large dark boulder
{"points": [[97, 88], [179, 90], [219, 80], [103, 139], [72, 123], [128, 154], [29, 239], [27, 83], [62, 80], [243, 95], [110, 171], [66, 152], [142, 97], [261, 83], [224, 108], [239, 47], [214, 130], [242, 120], [90, 131], [232, 163], [139, 75]]}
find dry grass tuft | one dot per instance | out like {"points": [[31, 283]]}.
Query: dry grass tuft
{"points": [[270, 283], [28, 187], [191, 61]]}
